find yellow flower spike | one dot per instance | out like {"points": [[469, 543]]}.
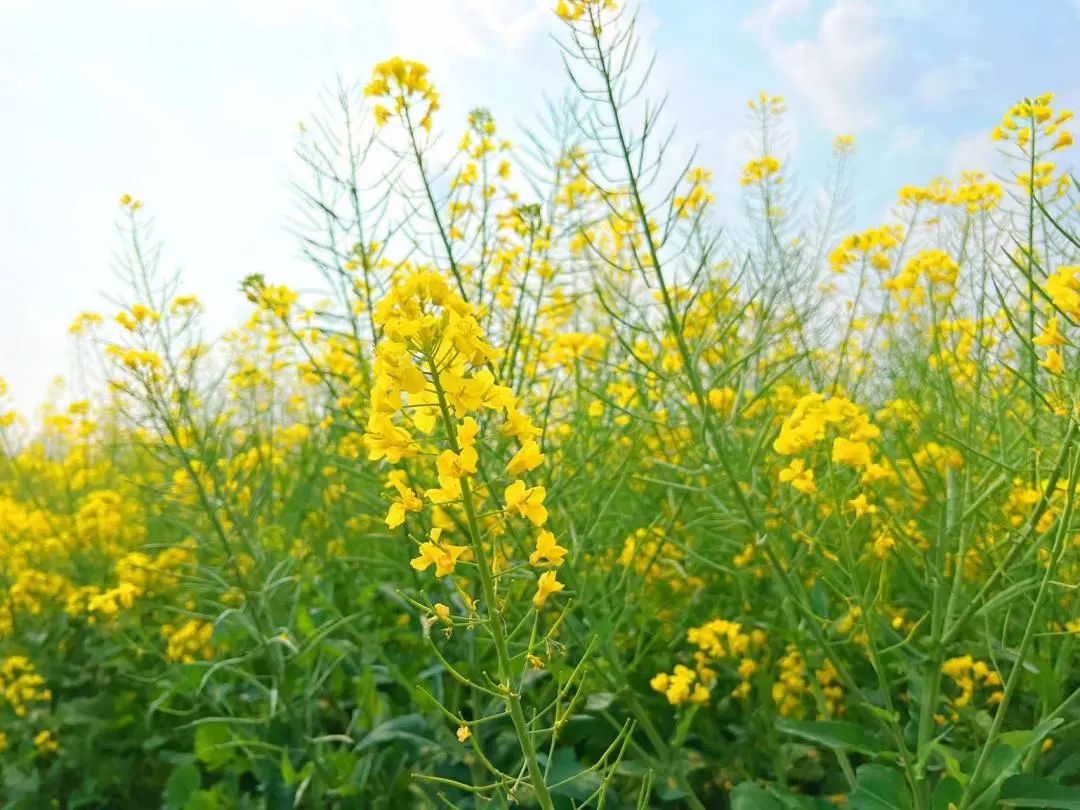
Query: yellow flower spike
{"points": [[844, 145], [574, 10], [402, 82], [759, 170]]}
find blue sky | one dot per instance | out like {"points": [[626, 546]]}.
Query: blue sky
{"points": [[192, 106]]}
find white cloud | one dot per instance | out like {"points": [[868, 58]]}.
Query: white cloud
{"points": [[193, 109], [767, 15], [907, 138], [974, 152], [838, 70], [911, 9], [944, 82]]}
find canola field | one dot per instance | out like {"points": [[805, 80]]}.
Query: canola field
{"points": [[561, 492]]}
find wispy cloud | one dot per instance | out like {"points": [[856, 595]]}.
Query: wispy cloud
{"points": [[907, 138], [974, 152], [946, 81], [839, 69]]}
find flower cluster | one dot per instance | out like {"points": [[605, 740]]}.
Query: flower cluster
{"points": [[807, 426], [1027, 120], [21, 685], [759, 170], [574, 10], [930, 269], [872, 245], [720, 643], [402, 83], [433, 366], [189, 642], [969, 675]]}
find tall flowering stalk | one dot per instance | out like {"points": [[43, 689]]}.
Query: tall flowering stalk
{"points": [[431, 371]]}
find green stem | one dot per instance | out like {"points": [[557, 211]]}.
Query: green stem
{"points": [[494, 623]]}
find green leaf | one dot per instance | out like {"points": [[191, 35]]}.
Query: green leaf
{"points": [[288, 772], [880, 788], [952, 763], [1027, 738], [948, 793], [409, 728], [209, 737], [832, 734], [598, 701], [751, 796], [819, 599], [1024, 790], [19, 784], [181, 785], [568, 777]]}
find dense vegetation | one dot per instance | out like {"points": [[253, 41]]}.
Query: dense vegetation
{"points": [[559, 494]]}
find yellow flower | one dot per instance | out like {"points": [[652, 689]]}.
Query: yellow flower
{"points": [[854, 454], [883, 544], [527, 458], [548, 551], [386, 440], [527, 502], [759, 170], [681, 686], [844, 144], [1053, 362], [1050, 335], [189, 642], [799, 477], [407, 500], [574, 10], [457, 465], [442, 612], [660, 681], [463, 733], [466, 432], [721, 399], [452, 468], [45, 743], [1063, 287], [546, 585], [862, 506], [402, 81], [443, 556]]}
